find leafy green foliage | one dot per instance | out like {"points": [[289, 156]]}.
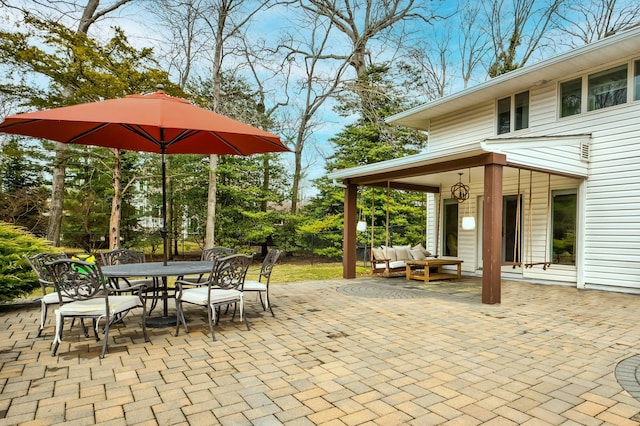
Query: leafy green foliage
{"points": [[23, 196], [16, 277]]}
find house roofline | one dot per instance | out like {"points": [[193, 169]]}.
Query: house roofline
{"points": [[420, 114]]}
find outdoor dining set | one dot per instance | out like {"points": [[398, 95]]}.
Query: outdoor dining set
{"points": [[105, 294]]}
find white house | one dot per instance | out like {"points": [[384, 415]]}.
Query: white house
{"points": [[564, 135]]}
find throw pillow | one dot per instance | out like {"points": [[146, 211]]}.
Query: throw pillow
{"points": [[417, 254], [422, 249]]}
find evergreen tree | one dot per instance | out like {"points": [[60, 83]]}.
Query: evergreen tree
{"points": [[369, 140]]}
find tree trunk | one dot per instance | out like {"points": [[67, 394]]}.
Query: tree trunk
{"points": [[57, 194], [116, 202], [297, 170], [209, 240]]}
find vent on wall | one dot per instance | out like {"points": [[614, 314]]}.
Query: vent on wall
{"points": [[585, 149]]}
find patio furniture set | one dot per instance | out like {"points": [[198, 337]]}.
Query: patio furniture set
{"points": [[413, 262], [106, 294]]}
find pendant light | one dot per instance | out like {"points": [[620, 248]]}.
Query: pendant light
{"points": [[469, 221]]}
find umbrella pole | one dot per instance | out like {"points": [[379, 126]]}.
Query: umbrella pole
{"points": [[164, 232]]}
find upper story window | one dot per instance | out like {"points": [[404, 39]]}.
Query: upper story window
{"points": [[608, 88], [636, 80], [601, 90], [571, 97], [513, 113]]}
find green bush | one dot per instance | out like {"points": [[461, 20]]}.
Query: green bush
{"points": [[16, 277]]}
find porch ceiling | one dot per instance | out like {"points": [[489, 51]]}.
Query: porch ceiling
{"points": [[427, 171]]}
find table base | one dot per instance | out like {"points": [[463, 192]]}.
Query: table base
{"points": [[161, 322]]}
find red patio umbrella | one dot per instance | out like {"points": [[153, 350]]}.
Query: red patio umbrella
{"points": [[151, 123]]}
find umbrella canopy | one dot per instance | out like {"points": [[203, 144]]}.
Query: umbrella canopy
{"points": [[151, 123]]}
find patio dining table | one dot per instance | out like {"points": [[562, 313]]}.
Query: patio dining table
{"points": [[162, 271]]}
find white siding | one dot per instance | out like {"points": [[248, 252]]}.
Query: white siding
{"points": [[468, 126], [611, 231], [535, 239]]}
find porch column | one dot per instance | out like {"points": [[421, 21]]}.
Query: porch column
{"points": [[349, 235], [492, 234]]}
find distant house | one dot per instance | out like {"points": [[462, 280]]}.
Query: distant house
{"points": [[553, 150]]}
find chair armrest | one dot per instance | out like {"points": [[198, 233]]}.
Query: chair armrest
{"points": [[180, 284], [138, 288]]}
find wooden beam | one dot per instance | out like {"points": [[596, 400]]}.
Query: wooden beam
{"points": [[492, 234], [545, 171], [428, 169], [349, 232], [406, 187]]}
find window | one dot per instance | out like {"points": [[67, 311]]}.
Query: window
{"points": [[510, 236], [563, 227], [636, 81], [607, 88], [522, 111], [450, 227], [571, 97], [504, 116], [519, 106]]}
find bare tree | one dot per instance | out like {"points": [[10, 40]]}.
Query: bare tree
{"points": [[473, 42], [518, 29], [320, 75], [588, 21], [361, 22], [184, 39]]}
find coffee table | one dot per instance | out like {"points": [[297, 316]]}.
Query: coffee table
{"points": [[421, 269]]}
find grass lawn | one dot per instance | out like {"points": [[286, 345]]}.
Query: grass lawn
{"points": [[293, 272]]}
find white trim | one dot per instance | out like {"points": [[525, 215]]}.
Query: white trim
{"points": [[580, 237]]}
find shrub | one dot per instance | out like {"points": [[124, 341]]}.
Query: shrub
{"points": [[16, 277]]}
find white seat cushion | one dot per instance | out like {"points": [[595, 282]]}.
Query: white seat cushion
{"points": [[254, 286], [96, 306], [199, 295], [397, 264], [52, 298]]}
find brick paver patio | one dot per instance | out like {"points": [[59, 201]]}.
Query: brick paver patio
{"points": [[372, 352]]}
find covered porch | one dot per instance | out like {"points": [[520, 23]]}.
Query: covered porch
{"points": [[491, 163]]}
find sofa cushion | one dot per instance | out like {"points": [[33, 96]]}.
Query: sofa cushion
{"points": [[422, 249], [417, 254], [397, 264], [402, 253], [378, 254], [389, 253]]}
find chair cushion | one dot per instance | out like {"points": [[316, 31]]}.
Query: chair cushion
{"points": [[250, 285], [52, 299], [199, 295], [96, 306]]}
